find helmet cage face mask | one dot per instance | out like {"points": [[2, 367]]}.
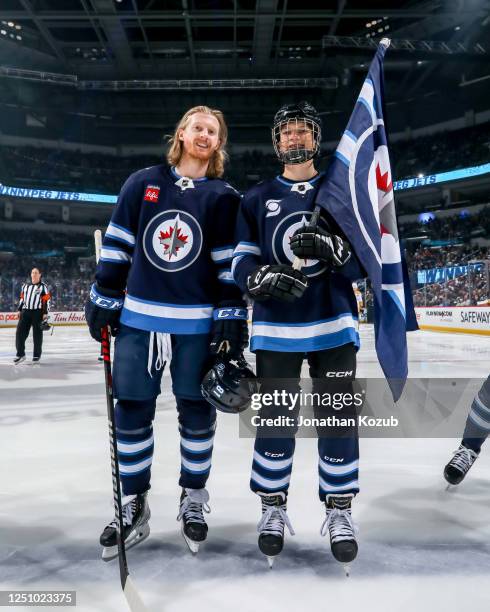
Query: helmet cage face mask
{"points": [[296, 150]]}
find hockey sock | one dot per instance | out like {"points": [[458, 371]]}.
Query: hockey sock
{"points": [[134, 431], [478, 421]]}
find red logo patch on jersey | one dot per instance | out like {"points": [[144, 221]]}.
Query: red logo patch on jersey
{"points": [[151, 194]]}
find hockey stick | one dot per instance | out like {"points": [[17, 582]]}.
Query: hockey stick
{"points": [[133, 598]]}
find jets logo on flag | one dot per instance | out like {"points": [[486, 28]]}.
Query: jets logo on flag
{"points": [[152, 193], [358, 193]]}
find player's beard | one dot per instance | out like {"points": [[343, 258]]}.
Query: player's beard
{"points": [[203, 155]]}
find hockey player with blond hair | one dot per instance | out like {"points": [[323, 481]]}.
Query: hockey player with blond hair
{"points": [[163, 285]]}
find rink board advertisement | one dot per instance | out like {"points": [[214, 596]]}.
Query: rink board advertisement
{"points": [[461, 319], [9, 319]]}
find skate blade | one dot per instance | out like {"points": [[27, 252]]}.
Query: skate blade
{"points": [[191, 544], [270, 561], [346, 569], [111, 552]]}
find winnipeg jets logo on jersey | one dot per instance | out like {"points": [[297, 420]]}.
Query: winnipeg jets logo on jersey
{"points": [[185, 183], [273, 208], [281, 242], [172, 240], [302, 188]]}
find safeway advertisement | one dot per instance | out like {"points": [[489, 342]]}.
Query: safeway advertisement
{"points": [[464, 319]]}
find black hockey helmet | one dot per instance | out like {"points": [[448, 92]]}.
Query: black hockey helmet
{"points": [[291, 116], [229, 385]]}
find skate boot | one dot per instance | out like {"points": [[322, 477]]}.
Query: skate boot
{"points": [[338, 522], [193, 505], [136, 528], [271, 525], [460, 464]]}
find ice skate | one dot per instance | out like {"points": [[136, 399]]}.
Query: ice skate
{"points": [[271, 525], [193, 505], [136, 528], [340, 526], [18, 359], [460, 464]]}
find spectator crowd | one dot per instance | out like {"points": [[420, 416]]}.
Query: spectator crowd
{"points": [[104, 173]]}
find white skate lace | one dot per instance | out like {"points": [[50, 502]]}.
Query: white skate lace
{"points": [[164, 350], [130, 505], [273, 520], [463, 459], [340, 525], [193, 505]]}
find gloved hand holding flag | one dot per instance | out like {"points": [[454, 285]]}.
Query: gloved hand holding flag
{"points": [[358, 193]]}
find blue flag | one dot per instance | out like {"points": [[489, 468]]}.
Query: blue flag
{"points": [[358, 193]]}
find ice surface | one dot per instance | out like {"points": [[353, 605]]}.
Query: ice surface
{"points": [[421, 547]]}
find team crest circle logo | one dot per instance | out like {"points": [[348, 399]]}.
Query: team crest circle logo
{"points": [[172, 240], [282, 237]]}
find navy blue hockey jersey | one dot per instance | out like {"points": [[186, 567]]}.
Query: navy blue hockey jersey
{"points": [[170, 245], [326, 315]]}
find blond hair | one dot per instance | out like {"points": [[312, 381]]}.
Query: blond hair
{"points": [[176, 146]]}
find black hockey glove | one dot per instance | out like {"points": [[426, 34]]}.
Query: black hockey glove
{"points": [[229, 327], [280, 282], [312, 242], [102, 308]]}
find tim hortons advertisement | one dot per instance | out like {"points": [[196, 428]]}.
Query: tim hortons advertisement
{"points": [[9, 319], [463, 319]]}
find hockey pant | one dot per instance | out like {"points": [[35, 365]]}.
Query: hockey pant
{"points": [[137, 377], [478, 421], [28, 319], [338, 450]]}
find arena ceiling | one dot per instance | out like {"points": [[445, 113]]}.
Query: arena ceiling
{"points": [[328, 44]]}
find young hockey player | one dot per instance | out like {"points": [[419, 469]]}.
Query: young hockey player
{"points": [[299, 314], [164, 287], [475, 433]]}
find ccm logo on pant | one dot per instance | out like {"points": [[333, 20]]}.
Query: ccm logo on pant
{"points": [[339, 374]]}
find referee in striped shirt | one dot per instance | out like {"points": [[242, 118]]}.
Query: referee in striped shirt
{"points": [[33, 307]]}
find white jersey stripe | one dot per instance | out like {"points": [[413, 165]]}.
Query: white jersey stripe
{"points": [[307, 330], [221, 255], [168, 312], [119, 233], [111, 254]]}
